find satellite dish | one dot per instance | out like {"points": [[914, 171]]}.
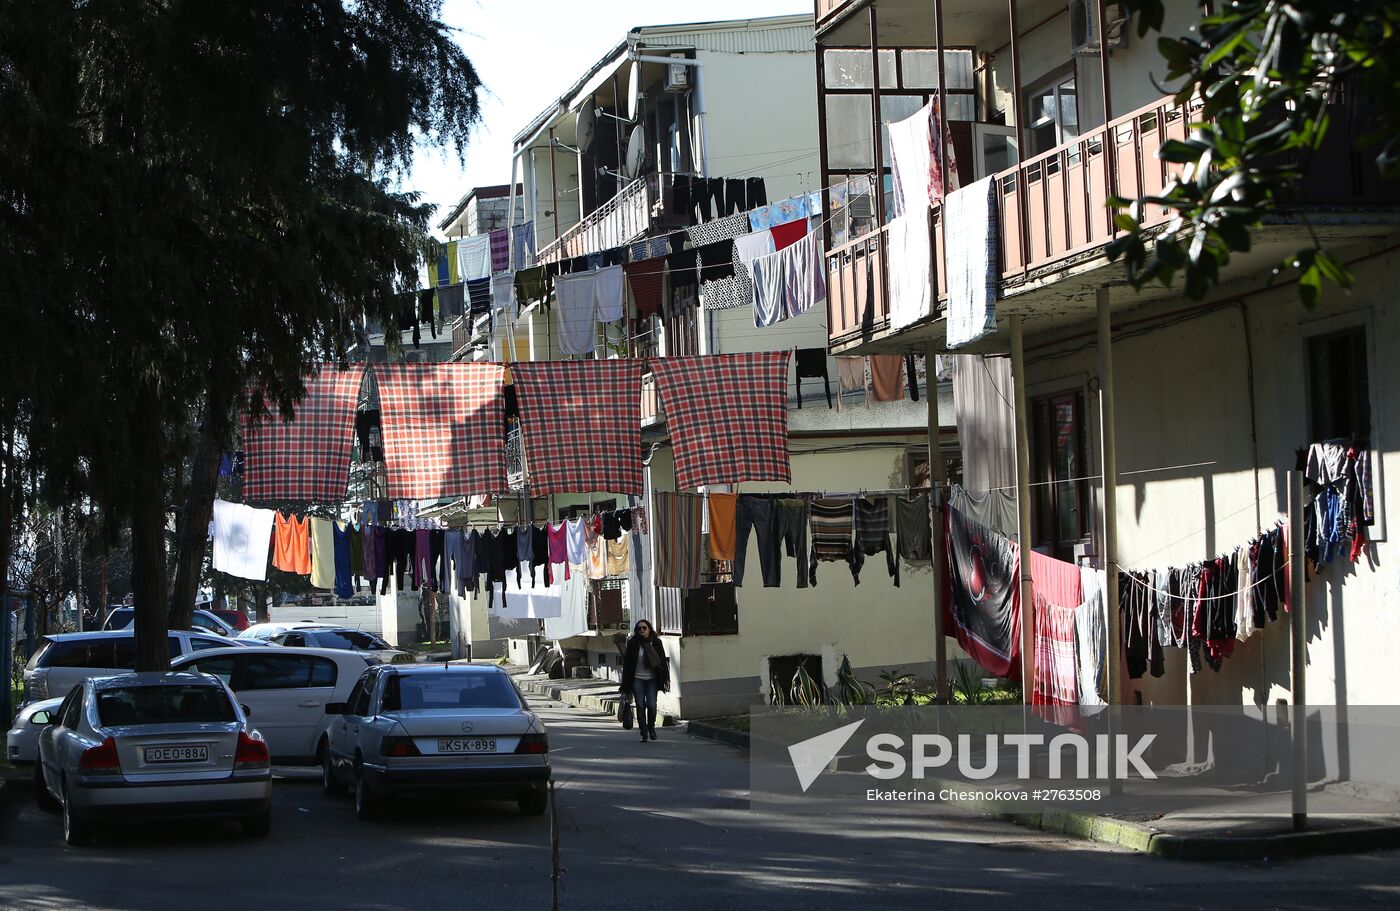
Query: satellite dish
{"points": [[633, 90], [636, 150], [587, 125]]}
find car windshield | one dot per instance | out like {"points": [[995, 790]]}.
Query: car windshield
{"points": [[163, 705], [448, 691], [349, 638]]}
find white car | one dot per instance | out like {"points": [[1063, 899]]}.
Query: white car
{"points": [[286, 691], [22, 743], [432, 727], [264, 632], [124, 617], [152, 745], [348, 638], [67, 659]]}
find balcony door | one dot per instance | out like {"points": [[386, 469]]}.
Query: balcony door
{"points": [[995, 148]]}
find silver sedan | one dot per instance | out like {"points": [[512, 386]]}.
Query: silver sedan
{"points": [[428, 727], [22, 742], [152, 745]]}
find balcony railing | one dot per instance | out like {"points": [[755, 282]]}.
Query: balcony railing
{"points": [[515, 459], [643, 204], [651, 404]]}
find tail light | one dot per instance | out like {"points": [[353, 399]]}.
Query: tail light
{"points": [[398, 746], [101, 759], [251, 753], [38, 687], [533, 743]]}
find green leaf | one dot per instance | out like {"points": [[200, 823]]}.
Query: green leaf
{"points": [[1178, 152], [1310, 286]]}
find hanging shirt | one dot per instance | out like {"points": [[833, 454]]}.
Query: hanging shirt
{"points": [[607, 294], [618, 562], [291, 551], [322, 554], [340, 541], [242, 535], [577, 543]]}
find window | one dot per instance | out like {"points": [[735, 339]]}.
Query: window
{"points": [[219, 667], [199, 643], [68, 712], [282, 672], [1060, 497], [292, 640], [1052, 112], [1339, 401], [196, 704], [359, 697], [348, 639], [447, 691], [711, 610]]}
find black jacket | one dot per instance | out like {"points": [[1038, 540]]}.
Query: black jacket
{"points": [[629, 663]]}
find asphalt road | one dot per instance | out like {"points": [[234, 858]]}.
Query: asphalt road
{"points": [[662, 825]]}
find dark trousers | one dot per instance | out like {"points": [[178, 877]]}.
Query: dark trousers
{"points": [[790, 524], [644, 697], [757, 514]]}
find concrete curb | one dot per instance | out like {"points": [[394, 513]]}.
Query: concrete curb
{"points": [[1146, 839]]}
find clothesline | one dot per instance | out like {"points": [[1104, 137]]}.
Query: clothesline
{"points": [[1230, 597]]}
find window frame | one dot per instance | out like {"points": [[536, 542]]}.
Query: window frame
{"points": [[1046, 491], [1052, 81]]}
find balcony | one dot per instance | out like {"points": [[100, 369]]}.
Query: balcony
{"points": [[631, 214], [1055, 223]]}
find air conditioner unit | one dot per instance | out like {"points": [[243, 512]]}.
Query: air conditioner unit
{"points": [[678, 76], [1084, 26]]}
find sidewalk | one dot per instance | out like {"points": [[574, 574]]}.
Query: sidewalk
{"points": [[1180, 836], [593, 695]]}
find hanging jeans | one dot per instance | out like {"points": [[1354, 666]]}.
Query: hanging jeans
{"points": [[644, 697], [791, 526], [757, 513]]}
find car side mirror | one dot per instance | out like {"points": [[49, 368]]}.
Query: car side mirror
{"points": [[42, 718], [336, 708], [247, 712]]}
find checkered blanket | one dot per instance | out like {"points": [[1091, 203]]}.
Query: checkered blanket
{"points": [[1056, 693], [581, 422], [727, 415], [444, 429], [308, 457]]}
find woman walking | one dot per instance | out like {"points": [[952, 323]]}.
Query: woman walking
{"points": [[644, 673]]}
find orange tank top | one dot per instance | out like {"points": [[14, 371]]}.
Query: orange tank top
{"points": [[291, 551]]}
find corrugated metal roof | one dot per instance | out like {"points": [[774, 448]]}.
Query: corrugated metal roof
{"points": [[755, 36]]}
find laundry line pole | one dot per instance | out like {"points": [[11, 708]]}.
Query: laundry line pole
{"points": [[938, 485], [1108, 433], [1298, 634], [1023, 508]]}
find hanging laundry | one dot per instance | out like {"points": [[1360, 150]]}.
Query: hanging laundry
{"points": [[344, 578], [995, 509], [873, 533], [523, 245], [500, 249], [618, 562], [291, 547], [1056, 691], [308, 457], [502, 290], [785, 235], [756, 515], [833, 525], [479, 296], [971, 262], [790, 518], [1091, 638], [534, 602], [539, 552], [558, 548], [679, 557], [716, 260], [722, 524], [531, 285], [597, 557], [887, 377], [985, 597], [915, 142], [811, 363], [242, 536], [612, 526], [573, 609], [575, 314], [608, 294], [581, 425], [577, 542], [451, 301], [474, 257], [356, 535], [1058, 581], [769, 292], [910, 268], [753, 246], [850, 374], [714, 400], [646, 283], [398, 559], [804, 274], [442, 429], [913, 527], [682, 270], [322, 554], [371, 547], [1138, 621]]}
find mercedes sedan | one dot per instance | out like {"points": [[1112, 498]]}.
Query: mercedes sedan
{"points": [[152, 745], [421, 727]]}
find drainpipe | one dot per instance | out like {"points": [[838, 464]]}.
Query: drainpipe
{"points": [[1023, 508], [878, 144], [554, 183]]}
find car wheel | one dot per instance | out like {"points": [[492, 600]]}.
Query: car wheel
{"points": [[533, 802], [366, 801], [43, 797], [329, 783], [76, 830], [258, 826]]}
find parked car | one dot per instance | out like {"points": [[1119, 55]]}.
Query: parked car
{"points": [[344, 637], [236, 619], [152, 745], [287, 691], [123, 617], [66, 659], [263, 632], [425, 727], [22, 742]]}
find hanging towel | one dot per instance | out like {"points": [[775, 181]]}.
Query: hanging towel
{"points": [[451, 301], [913, 528], [573, 610], [607, 292], [523, 245], [479, 296], [769, 293], [242, 536], [677, 521], [971, 261], [804, 275], [1056, 690], [502, 290], [530, 285], [574, 316], [1091, 637], [910, 268], [752, 246], [833, 524], [500, 249], [873, 533], [785, 235], [474, 257], [322, 554], [887, 377], [723, 525], [645, 280]]}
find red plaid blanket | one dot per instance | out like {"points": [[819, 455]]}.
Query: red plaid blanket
{"points": [[308, 457], [582, 425], [1056, 692], [444, 429], [727, 416]]}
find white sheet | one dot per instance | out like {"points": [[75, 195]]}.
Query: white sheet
{"points": [[474, 257], [242, 536], [971, 261], [575, 311], [910, 269], [607, 292], [573, 615], [532, 602]]}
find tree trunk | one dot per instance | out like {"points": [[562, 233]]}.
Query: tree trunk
{"points": [[432, 616], [194, 524], [261, 610], [148, 509], [102, 592]]}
